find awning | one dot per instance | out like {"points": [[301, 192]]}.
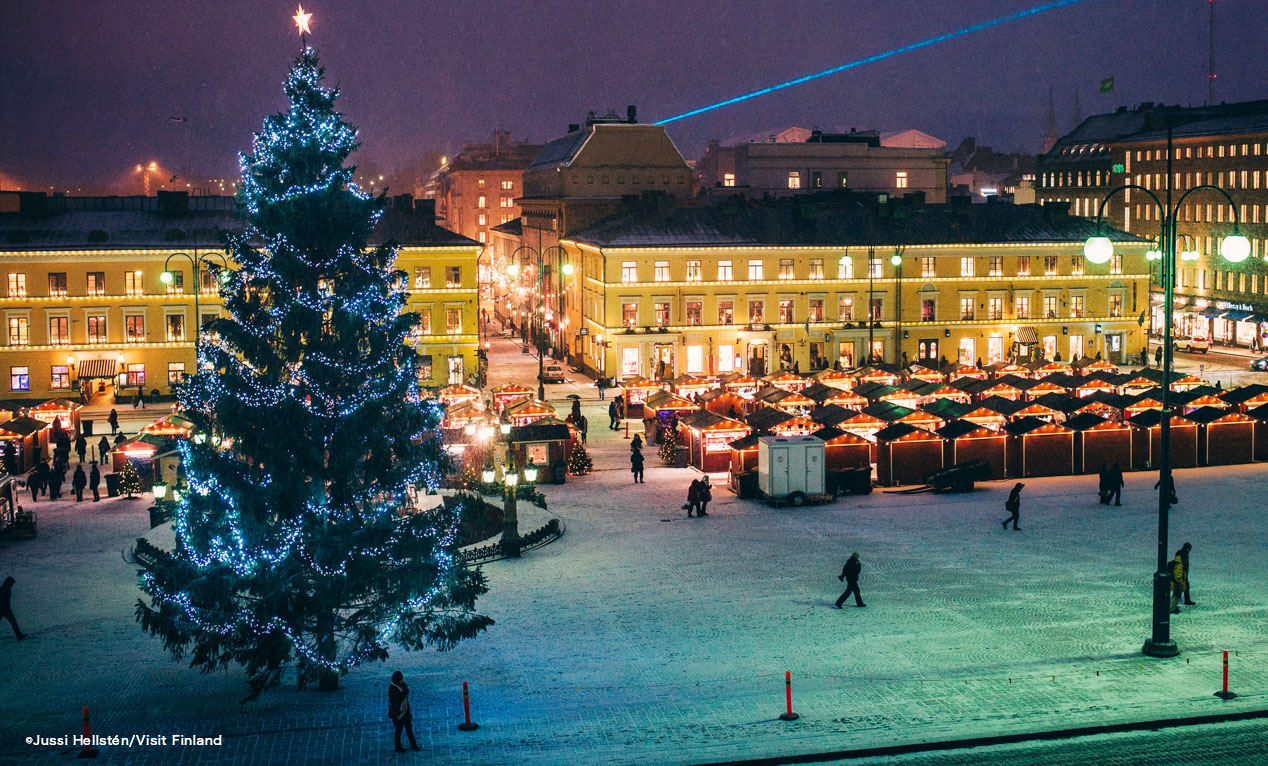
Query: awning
{"points": [[98, 368], [1028, 335], [1211, 313], [1256, 318], [1235, 316]]}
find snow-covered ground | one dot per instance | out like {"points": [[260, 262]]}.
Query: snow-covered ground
{"points": [[642, 636]]}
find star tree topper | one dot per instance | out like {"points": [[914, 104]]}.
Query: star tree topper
{"points": [[301, 21]]}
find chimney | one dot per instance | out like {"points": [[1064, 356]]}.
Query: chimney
{"points": [[631, 115], [425, 209]]}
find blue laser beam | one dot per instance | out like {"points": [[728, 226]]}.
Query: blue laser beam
{"points": [[872, 59]]}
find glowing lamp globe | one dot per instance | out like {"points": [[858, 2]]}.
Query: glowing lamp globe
{"points": [[530, 472], [896, 260], [1189, 255], [1153, 255], [166, 277], [511, 480], [1235, 248], [160, 490], [1098, 249], [567, 269], [488, 475], [513, 269], [505, 428]]}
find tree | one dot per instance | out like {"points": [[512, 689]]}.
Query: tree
{"points": [[129, 480], [296, 546], [579, 462], [669, 446]]}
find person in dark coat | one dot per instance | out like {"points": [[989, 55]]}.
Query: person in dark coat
{"points": [[636, 465], [81, 447], [612, 426], [56, 478], [140, 398], [1168, 485], [1013, 506], [1103, 491], [113, 420], [850, 574], [120, 439], [103, 447], [78, 482], [94, 481], [636, 443], [601, 384], [693, 497], [398, 710], [1116, 484], [6, 606], [1158, 358], [706, 494], [1183, 553], [584, 425], [56, 432], [37, 480]]}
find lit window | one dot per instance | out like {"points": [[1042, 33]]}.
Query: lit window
{"points": [[928, 309], [1076, 306], [453, 276], [1023, 265], [57, 284], [481, 201], [927, 268], [794, 180], [726, 312], [59, 379], [1023, 306], [995, 308], [845, 268], [482, 219], [132, 282], [507, 202], [1116, 305], [629, 271], [97, 328], [661, 312], [1077, 265], [19, 379], [175, 372], [661, 272], [966, 266], [19, 331], [17, 285], [815, 310], [479, 183], [785, 268], [996, 266], [693, 271], [134, 328], [756, 310], [874, 267], [966, 307], [629, 314], [694, 311], [176, 327], [422, 277], [845, 309], [1116, 263], [816, 268], [1049, 265], [453, 321], [508, 185], [786, 310], [900, 179], [1050, 306], [424, 323], [755, 270], [59, 330], [96, 283], [728, 179], [177, 285], [725, 273], [483, 237]]}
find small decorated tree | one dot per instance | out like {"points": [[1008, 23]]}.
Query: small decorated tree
{"points": [[579, 463], [129, 480], [669, 446]]}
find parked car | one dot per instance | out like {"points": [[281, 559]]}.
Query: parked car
{"points": [[553, 373], [1259, 364], [1196, 343]]}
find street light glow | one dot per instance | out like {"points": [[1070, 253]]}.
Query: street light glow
{"points": [[1098, 249], [166, 277], [1235, 248]]}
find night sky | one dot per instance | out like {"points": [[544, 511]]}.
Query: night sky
{"points": [[87, 88]]}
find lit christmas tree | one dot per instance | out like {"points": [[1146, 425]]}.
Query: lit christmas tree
{"points": [[579, 462], [296, 547], [129, 480], [669, 446]]}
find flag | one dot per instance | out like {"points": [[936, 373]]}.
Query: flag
{"points": [[1107, 85]]}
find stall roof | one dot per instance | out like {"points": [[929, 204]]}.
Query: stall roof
{"points": [[1086, 421], [1151, 418], [664, 400], [57, 404], [1208, 415], [767, 418], [946, 408], [820, 392], [875, 390], [711, 421], [1244, 394], [831, 414], [958, 428], [688, 380], [747, 442], [1117, 401], [24, 425], [1002, 406], [887, 411], [639, 381], [539, 433], [896, 431], [529, 404], [1030, 424], [1258, 413]]}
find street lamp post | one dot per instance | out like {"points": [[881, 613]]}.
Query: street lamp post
{"points": [[205, 261], [510, 481], [1098, 250], [539, 310], [896, 260]]}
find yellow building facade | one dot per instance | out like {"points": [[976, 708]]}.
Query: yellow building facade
{"points": [[86, 311], [664, 298]]}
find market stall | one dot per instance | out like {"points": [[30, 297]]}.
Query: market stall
{"points": [[1099, 441], [139, 451], [510, 393], [458, 393], [771, 421], [923, 373], [787, 380], [1246, 398], [723, 402], [844, 450], [955, 371], [785, 400], [169, 427], [1260, 416], [742, 385], [689, 386], [29, 439], [1147, 440], [904, 454], [546, 445], [708, 439], [742, 466], [963, 441], [64, 411], [1225, 437], [875, 374], [527, 411], [835, 378], [1039, 448]]}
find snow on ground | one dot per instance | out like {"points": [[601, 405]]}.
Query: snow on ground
{"points": [[642, 636]]}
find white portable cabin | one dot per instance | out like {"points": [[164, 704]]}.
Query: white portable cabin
{"points": [[787, 465]]}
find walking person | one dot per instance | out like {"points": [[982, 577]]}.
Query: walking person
{"points": [[78, 482], [850, 574], [398, 710], [1013, 506], [1116, 484], [1177, 582], [103, 447], [1183, 553], [636, 465], [6, 607], [1158, 358], [81, 447], [706, 494], [1103, 491], [601, 384], [56, 478], [94, 481], [1167, 484], [693, 497], [584, 425], [113, 420], [35, 483], [612, 426]]}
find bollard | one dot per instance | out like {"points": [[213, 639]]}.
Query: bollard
{"points": [[789, 715], [466, 725], [89, 751], [1224, 693], [627, 430]]}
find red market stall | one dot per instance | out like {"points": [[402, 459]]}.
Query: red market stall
{"points": [[1197, 398], [946, 410], [987, 389], [1147, 440], [963, 441], [957, 371], [29, 437], [787, 380], [875, 375], [528, 411], [1149, 400], [709, 438], [547, 446], [1092, 385], [742, 385], [785, 400], [169, 427], [843, 450], [1135, 383], [689, 386], [1224, 437], [831, 414], [1098, 441], [636, 390], [664, 404], [904, 454], [140, 452], [510, 393], [722, 402], [64, 411], [1002, 369], [771, 421], [1246, 398], [1186, 383], [458, 416], [458, 393], [924, 374], [1039, 448], [742, 469], [1043, 369], [835, 378]]}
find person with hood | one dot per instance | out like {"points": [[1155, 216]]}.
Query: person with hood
{"points": [[398, 710], [1013, 506], [94, 481], [113, 420], [693, 497], [1177, 582], [78, 482], [1158, 358], [6, 607], [81, 447], [103, 447], [1183, 553], [636, 465], [637, 442], [56, 477], [1116, 484], [706, 494], [850, 574]]}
